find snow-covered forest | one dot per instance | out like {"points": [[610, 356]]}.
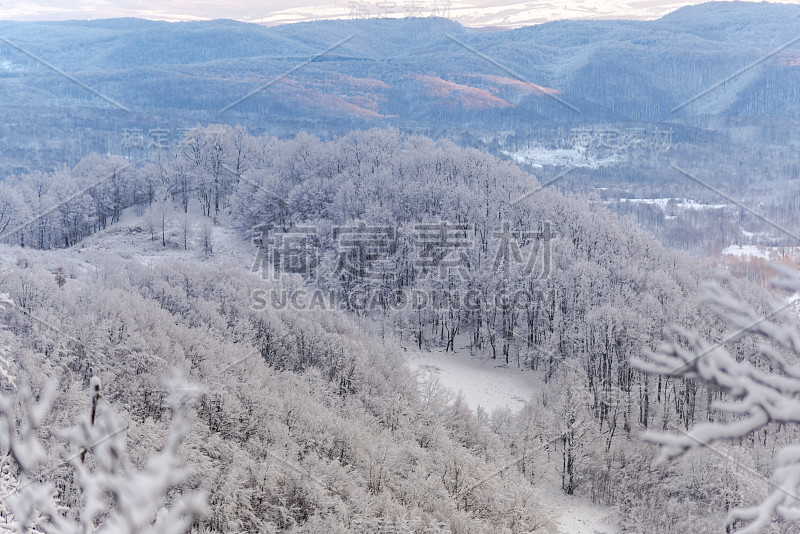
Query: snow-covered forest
{"points": [[216, 340]]}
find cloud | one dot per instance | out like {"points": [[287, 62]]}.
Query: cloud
{"points": [[469, 12]]}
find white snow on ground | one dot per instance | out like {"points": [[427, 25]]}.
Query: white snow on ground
{"points": [[131, 238], [578, 515], [680, 203], [745, 251], [540, 156], [767, 253], [483, 381]]}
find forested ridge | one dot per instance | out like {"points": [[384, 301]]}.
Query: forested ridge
{"points": [[404, 73], [314, 389]]}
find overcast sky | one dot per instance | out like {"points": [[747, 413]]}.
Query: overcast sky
{"points": [[469, 12]]}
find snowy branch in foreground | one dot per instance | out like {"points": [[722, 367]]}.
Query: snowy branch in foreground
{"points": [[115, 496], [757, 396]]}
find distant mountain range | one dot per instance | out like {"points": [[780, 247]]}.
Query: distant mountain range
{"points": [[424, 74]]}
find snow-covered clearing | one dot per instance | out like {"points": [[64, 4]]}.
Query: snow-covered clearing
{"points": [[767, 253], [680, 203], [578, 515], [741, 251], [540, 156], [483, 381], [132, 238]]}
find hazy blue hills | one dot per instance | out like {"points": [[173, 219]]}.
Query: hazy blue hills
{"points": [[408, 73]]}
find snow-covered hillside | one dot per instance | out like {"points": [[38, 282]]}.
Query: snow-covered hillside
{"points": [[502, 391], [491, 385]]}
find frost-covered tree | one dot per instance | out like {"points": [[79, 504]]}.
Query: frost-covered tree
{"points": [[758, 389], [162, 212], [114, 495]]}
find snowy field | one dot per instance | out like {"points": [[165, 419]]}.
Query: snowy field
{"points": [[745, 251], [540, 156], [484, 382], [767, 253], [579, 516], [680, 203]]}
